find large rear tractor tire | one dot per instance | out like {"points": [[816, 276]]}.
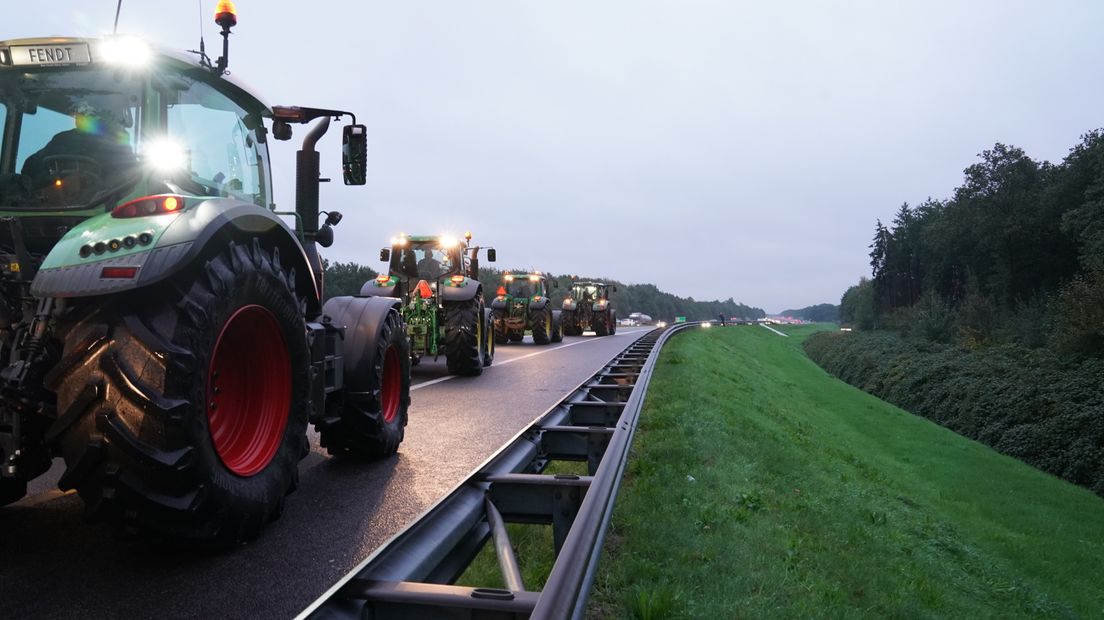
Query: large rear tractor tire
{"points": [[557, 326], [464, 335], [183, 410], [489, 337], [371, 420], [569, 325], [501, 336], [542, 326], [599, 323]]}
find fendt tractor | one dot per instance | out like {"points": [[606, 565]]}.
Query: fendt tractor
{"points": [[588, 307], [523, 302], [437, 278], [162, 328]]}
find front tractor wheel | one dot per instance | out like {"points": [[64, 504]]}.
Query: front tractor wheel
{"points": [[489, 338], [464, 336], [557, 326], [183, 410], [370, 420]]}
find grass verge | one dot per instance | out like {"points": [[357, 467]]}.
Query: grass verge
{"points": [[760, 486]]}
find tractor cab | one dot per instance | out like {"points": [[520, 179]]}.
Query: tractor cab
{"points": [[414, 259], [583, 292], [523, 287], [90, 124]]}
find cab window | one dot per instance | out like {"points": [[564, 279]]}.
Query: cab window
{"points": [[223, 154]]}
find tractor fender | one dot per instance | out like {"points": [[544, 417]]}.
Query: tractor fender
{"points": [[599, 306], [500, 304], [363, 319], [180, 241], [540, 304], [569, 304], [465, 290], [375, 288]]}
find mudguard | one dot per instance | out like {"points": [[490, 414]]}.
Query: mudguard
{"points": [[500, 304], [463, 290], [600, 306], [569, 304], [363, 319], [177, 241], [540, 304], [375, 288]]}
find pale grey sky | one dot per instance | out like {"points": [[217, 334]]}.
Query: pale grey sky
{"points": [[714, 148]]}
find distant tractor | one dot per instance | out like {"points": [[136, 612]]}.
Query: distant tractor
{"points": [[442, 300], [588, 307], [523, 303]]}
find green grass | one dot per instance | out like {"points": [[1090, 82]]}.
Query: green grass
{"points": [[760, 486]]}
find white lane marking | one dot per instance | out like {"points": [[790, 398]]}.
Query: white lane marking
{"points": [[774, 330], [418, 386]]}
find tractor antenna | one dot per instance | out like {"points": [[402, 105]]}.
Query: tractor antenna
{"points": [[204, 59], [118, 9]]}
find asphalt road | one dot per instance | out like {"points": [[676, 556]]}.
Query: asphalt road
{"points": [[53, 565]]}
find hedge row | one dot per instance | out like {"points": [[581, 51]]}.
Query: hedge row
{"points": [[1030, 404]]}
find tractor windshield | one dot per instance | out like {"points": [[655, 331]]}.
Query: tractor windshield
{"points": [[424, 261], [587, 292], [73, 137], [68, 135], [523, 287]]}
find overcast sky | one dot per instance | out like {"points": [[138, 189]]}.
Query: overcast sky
{"points": [[714, 148]]}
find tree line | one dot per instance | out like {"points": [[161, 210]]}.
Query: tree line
{"points": [[1015, 255], [347, 278], [819, 313]]}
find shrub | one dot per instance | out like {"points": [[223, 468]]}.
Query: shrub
{"points": [[1032, 404]]}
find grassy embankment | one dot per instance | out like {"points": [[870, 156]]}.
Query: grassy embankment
{"points": [[760, 486]]}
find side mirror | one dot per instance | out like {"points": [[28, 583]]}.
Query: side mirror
{"points": [[325, 236], [613, 288], [281, 130], [555, 284], [385, 254], [491, 255], [354, 154]]}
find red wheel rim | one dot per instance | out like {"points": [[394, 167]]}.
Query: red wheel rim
{"points": [[391, 385], [248, 390]]}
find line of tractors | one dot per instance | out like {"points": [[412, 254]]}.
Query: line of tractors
{"points": [[444, 305], [164, 329]]}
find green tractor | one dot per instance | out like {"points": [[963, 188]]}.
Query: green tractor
{"points": [[436, 276], [162, 327], [588, 307], [523, 302]]}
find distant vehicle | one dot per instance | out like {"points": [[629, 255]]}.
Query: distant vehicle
{"points": [[588, 306], [640, 318], [627, 322]]}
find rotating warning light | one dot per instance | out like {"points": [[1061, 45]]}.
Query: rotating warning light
{"points": [[226, 14]]}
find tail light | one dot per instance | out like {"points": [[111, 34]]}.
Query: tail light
{"points": [[456, 279], [383, 278], [536, 297], [150, 205], [118, 272]]}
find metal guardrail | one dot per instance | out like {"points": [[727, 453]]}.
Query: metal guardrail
{"points": [[410, 575]]}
